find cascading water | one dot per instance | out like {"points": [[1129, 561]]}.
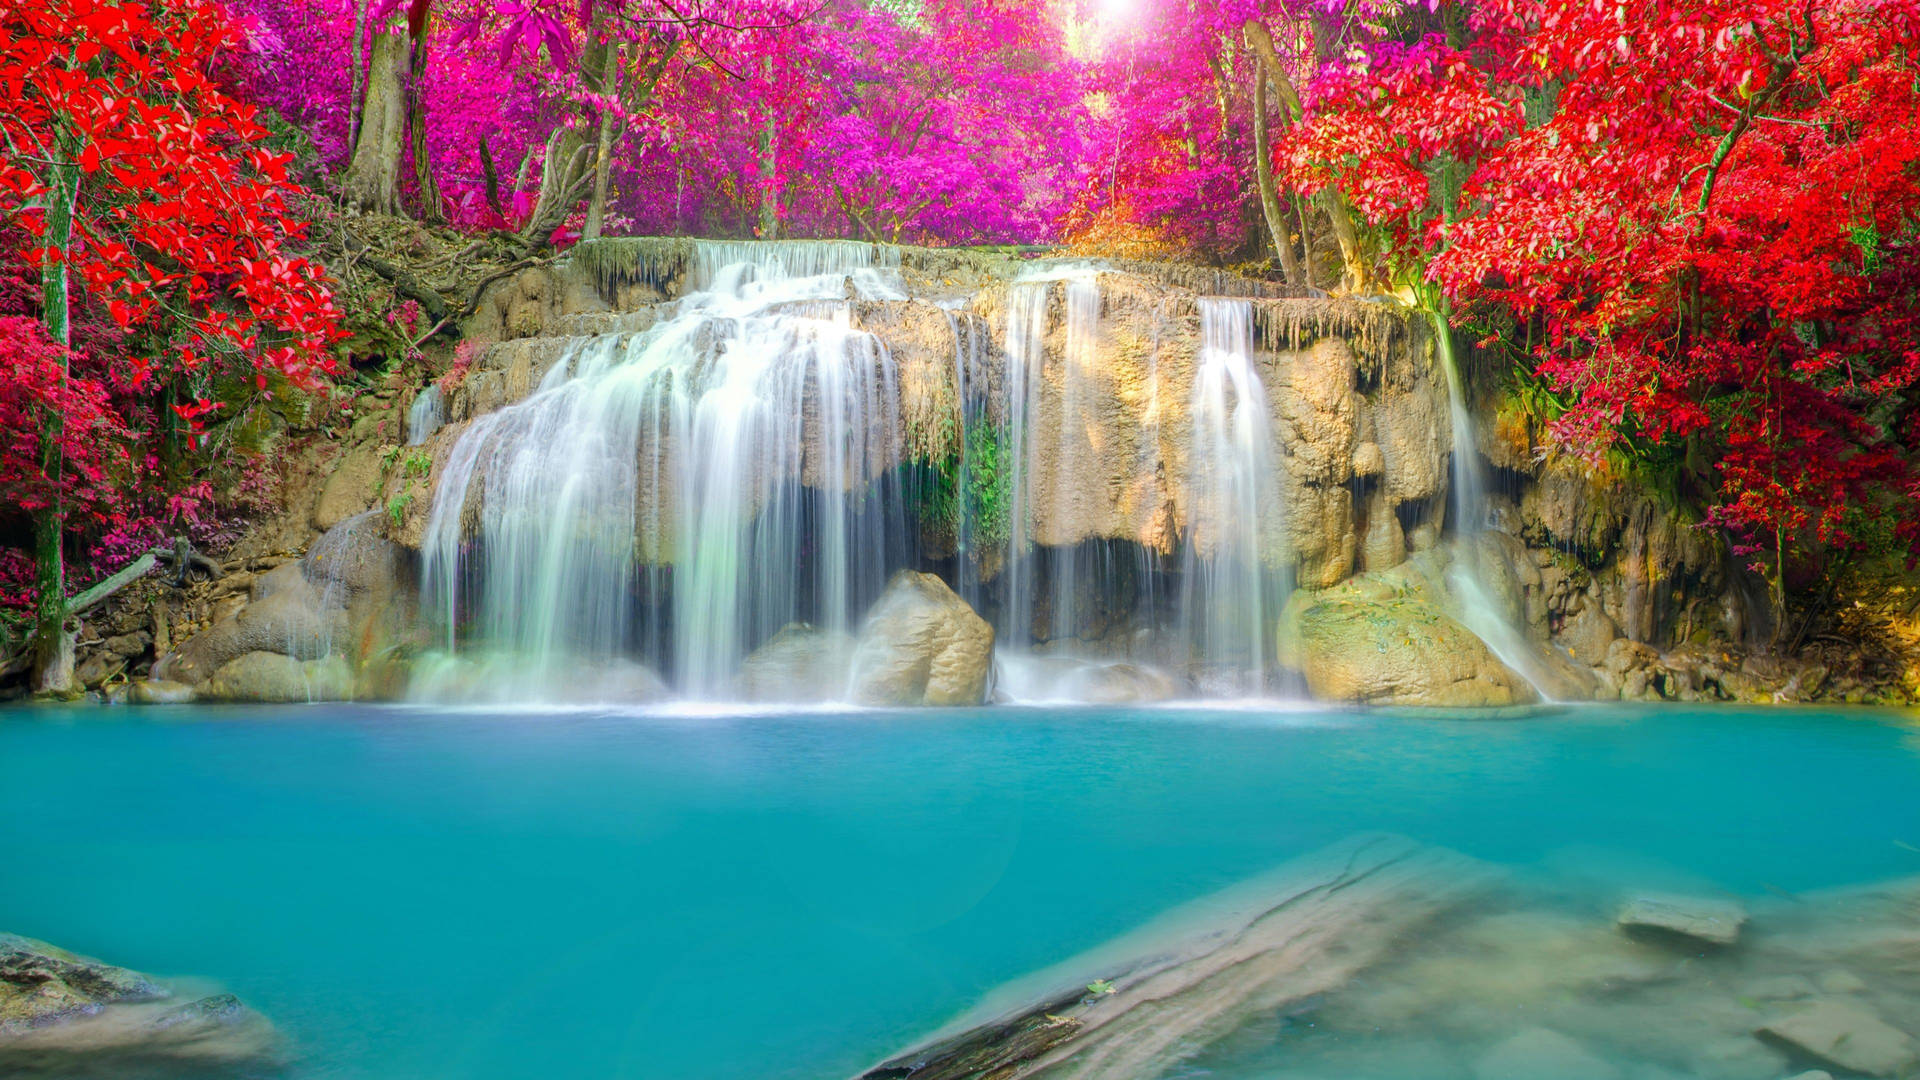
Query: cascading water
{"points": [[1231, 591], [1231, 581], [739, 450], [427, 414], [1048, 412], [1478, 611]]}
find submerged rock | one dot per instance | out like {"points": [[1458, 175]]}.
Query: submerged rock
{"points": [[1695, 919], [800, 663], [922, 645], [66, 1015], [1143, 1003], [1538, 1053], [1846, 1036]]}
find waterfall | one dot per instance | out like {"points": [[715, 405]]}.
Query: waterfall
{"points": [[1231, 591], [969, 347], [427, 414], [1231, 578], [682, 493], [1046, 430], [1478, 611]]}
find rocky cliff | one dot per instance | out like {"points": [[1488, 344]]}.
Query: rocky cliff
{"points": [[1097, 370]]}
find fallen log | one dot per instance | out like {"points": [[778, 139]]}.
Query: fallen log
{"points": [[1136, 1007]]}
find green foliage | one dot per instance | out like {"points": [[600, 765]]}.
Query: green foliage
{"points": [[397, 507], [1100, 987], [989, 484], [943, 505], [1867, 239]]}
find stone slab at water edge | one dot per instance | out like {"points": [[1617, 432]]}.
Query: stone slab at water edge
{"points": [[65, 1015]]}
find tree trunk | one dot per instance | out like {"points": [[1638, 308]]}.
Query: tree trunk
{"points": [[603, 150], [1306, 238], [53, 640], [431, 210], [372, 181], [1359, 275], [769, 172], [565, 173], [1269, 195], [357, 61], [567, 170]]}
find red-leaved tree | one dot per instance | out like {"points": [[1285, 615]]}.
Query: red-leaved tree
{"points": [[1706, 211], [142, 186]]}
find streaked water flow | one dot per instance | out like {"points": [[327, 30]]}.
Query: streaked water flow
{"points": [[734, 457]]}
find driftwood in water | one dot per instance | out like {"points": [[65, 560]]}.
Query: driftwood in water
{"points": [[1133, 1008]]}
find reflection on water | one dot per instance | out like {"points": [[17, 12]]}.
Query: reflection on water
{"points": [[413, 892]]}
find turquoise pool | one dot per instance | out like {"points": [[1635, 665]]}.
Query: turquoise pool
{"points": [[418, 893]]}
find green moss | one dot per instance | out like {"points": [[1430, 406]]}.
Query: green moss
{"points": [[946, 494]]}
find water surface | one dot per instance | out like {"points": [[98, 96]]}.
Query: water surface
{"points": [[418, 893]]}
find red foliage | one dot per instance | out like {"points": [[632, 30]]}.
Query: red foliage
{"points": [[1706, 207], [92, 438], [178, 259], [182, 220]]}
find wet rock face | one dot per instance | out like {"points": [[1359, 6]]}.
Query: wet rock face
{"points": [[1113, 412], [1400, 652], [304, 628], [922, 645]]}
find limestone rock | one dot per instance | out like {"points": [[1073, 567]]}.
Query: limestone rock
{"points": [[922, 645], [1399, 652], [1588, 633], [40, 983], [1846, 1036], [351, 595], [275, 677], [800, 663], [350, 488], [1695, 919], [1385, 545], [1812, 1074], [1539, 1053], [287, 615]]}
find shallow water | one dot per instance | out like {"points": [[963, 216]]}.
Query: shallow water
{"points": [[425, 893]]}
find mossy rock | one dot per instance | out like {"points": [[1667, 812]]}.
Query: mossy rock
{"points": [[1398, 652]]}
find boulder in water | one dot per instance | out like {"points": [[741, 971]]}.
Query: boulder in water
{"points": [[1537, 1053], [40, 984], [922, 645], [276, 677], [800, 663], [1121, 684], [1398, 652]]}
